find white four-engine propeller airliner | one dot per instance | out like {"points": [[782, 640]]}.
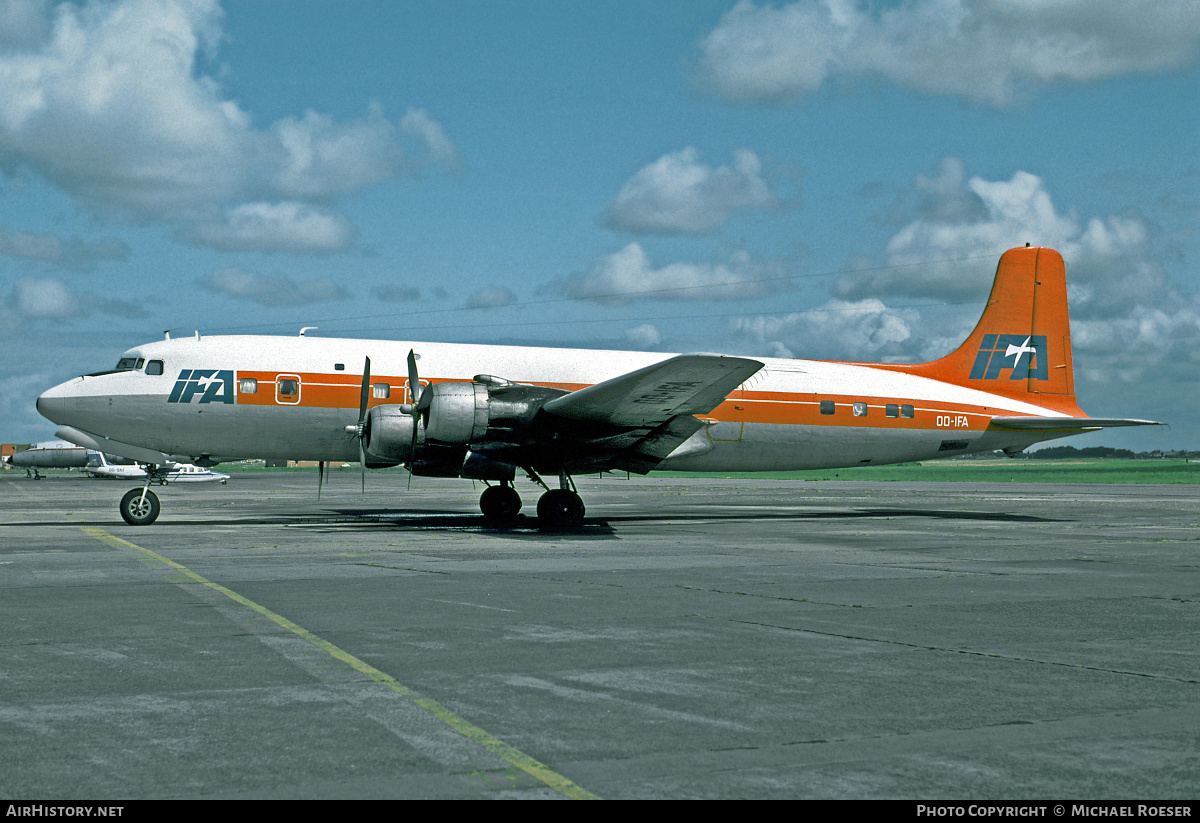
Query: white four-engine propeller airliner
{"points": [[559, 412]]}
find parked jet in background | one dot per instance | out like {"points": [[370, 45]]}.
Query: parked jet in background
{"points": [[52, 454], [99, 466], [569, 411]]}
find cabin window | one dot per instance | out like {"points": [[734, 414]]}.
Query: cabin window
{"points": [[891, 410], [287, 389], [248, 385], [154, 367], [381, 391], [339, 366], [860, 409], [906, 410], [827, 407]]}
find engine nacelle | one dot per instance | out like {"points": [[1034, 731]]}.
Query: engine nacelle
{"points": [[388, 436], [479, 429], [458, 412]]}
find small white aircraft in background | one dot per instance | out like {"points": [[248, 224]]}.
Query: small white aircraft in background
{"points": [[98, 465], [51, 454], [559, 412]]}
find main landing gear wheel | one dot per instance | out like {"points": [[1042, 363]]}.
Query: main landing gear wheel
{"points": [[560, 509], [139, 510], [500, 505]]}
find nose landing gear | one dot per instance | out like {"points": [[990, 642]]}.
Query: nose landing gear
{"points": [[139, 507]]}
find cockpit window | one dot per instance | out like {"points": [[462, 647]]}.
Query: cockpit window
{"points": [[154, 367], [124, 364]]}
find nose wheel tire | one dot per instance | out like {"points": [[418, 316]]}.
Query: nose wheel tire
{"points": [[560, 509], [138, 510], [500, 505]]}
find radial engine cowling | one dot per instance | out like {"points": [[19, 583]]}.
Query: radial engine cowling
{"points": [[458, 412], [388, 436], [477, 429]]}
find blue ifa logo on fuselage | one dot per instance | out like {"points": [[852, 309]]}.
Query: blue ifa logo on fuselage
{"points": [[1025, 354], [213, 386]]}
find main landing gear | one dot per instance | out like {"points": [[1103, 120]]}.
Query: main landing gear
{"points": [[560, 508]]}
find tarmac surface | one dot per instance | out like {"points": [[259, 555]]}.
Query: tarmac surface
{"points": [[716, 638]]}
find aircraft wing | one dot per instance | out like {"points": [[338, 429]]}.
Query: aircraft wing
{"points": [[685, 384], [1053, 424], [633, 421]]}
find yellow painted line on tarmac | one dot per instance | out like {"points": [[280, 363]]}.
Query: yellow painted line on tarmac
{"points": [[536, 769]]}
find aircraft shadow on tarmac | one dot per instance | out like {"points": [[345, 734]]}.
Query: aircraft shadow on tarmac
{"points": [[593, 527]]}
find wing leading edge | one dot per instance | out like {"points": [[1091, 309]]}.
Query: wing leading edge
{"points": [[685, 384]]}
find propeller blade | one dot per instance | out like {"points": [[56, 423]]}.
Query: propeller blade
{"points": [[364, 395], [414, 384], [412, 454], [320, 477], [414, 397]]}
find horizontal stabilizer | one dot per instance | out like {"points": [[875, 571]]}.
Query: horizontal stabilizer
{"points": [[1055, 424]]}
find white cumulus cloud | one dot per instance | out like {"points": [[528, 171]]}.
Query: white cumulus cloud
{"points": [[678, 194], [491, 297], [271, 289], [978, 49], [41, 298], [290, 226], [843, 330], [1128, 318], [630, 274], [644, 336], [51, 248], [108, 105]]}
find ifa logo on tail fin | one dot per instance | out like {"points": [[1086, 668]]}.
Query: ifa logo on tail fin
{"points": [[212, 385], [1025, 354]]}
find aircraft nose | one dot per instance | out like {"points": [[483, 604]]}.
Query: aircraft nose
{"points": [[56, 403]]}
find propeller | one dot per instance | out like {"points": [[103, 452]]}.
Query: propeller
{"points": [[416, 395], [320, 477], [359, 430]]}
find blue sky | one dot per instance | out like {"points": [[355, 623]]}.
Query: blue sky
{"points": [[823, 178]]}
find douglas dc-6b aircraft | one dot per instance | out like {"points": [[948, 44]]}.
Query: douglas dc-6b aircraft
{"points": [[547, 412]]}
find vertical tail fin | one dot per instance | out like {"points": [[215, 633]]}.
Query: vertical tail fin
{"points": [[1022, 345]]}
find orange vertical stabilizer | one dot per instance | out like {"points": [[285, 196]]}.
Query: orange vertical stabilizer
{"points": [[1021, 347]]}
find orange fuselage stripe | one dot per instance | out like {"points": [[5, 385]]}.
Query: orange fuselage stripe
{"points": [[341, 391]]}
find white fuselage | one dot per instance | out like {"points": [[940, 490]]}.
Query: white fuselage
{"points": [[230, 397]]}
